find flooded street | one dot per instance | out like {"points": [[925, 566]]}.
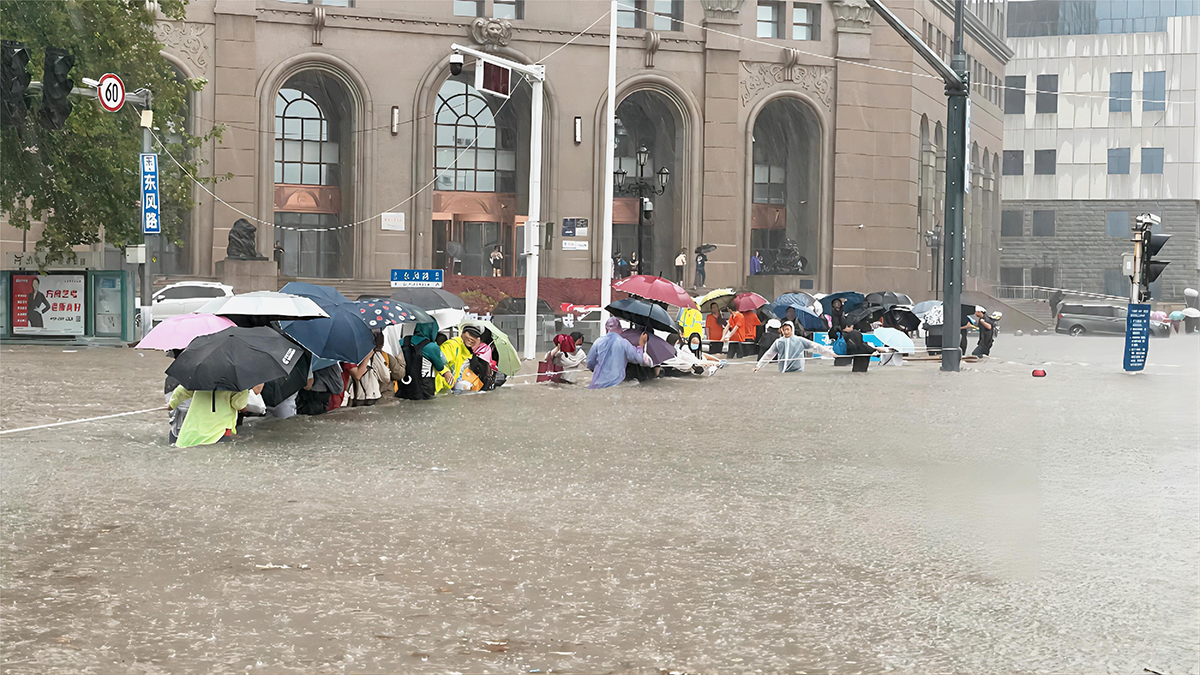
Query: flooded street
{"points": [[904, 521]]}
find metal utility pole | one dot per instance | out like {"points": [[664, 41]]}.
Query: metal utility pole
{"points": [[147, 146], [533, 241], [958, 88], [610, 130]]}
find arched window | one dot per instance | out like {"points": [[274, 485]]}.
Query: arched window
{"points": [[305, 151], [470, 153]]}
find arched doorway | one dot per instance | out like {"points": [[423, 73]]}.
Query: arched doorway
{"points": [[786, 183], [651, 120], [313, 176], [481, 158]]}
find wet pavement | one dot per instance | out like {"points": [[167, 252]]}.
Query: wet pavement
{"points": [[904, 521]]}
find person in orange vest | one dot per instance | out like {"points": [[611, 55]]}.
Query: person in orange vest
{"points": [[750, 324], [733, 335], [714, 328]]}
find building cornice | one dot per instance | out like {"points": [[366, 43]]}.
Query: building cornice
{"points": [[978, 30]]}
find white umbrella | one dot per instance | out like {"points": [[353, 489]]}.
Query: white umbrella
{"points": [[896, 340], [934, 316], [447, 317], [1191, 313], [265, 304], [921, 308]]}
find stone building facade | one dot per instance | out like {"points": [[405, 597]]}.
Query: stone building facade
{"points": [[1100, 126], [776, 120]]}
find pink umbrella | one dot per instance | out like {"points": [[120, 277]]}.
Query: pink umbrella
{"points": [[178, 332], [748, 302]]}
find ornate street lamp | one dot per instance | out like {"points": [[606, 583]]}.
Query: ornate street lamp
{"points": [[641, 188]]}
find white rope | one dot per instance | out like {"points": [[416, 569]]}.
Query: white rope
{"points": [[86, 419]]}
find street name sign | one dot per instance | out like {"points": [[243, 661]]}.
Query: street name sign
{"points": [[1137, 336], [417, 278], [151, 215], [111, 92]]}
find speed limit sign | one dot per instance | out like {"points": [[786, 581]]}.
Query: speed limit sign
{"points": [[112, 92]]}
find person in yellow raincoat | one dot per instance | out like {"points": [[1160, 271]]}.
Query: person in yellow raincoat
{"points": [[691, 322], [458, 352]]}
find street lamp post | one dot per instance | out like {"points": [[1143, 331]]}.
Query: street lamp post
{"points": [[933, 239], [642, 188]]}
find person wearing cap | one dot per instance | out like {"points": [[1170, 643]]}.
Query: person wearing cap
{"points": [[977, 321], [790, 350], [987, 334], [769, 336]]}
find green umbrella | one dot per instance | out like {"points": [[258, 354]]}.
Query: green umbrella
{"points": [[506, 355]]}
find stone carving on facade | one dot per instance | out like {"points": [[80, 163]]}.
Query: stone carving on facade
{"points": [[852, 16], [758, 77], [242, 243], [491, 33], [722, 9], [186, 40], [653, 41], [788, 260], [318, 24]]}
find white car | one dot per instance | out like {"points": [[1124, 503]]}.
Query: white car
{"points": [[185, 297]]}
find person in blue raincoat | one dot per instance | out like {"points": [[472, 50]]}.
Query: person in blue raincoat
{"points": [[611, 353], [789, 349]]}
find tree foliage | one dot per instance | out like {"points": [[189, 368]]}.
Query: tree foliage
{"points": [[82, 181]]}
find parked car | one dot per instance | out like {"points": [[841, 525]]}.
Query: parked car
{"points": [[510, 305], [1079, 319], [186, 296]]}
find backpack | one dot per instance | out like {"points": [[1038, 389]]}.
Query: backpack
{"points": [[415, 386]]}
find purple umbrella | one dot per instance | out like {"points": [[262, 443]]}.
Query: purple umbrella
{"points": [[658, 348]]}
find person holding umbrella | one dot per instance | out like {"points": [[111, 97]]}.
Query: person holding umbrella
{"points": [[701, 260], [611, 353], [212, 415], [789, 349]]}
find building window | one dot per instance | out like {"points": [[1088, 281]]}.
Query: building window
{"points": [[1043, 226], [1152, 160], [469, 154], [508, 9], [1012, 276], [305, 154], [1014, 95], [1118, 161], [468, 7], [1012, 223], [1042, 276], [1014, 163], [1154, 90], [1047, 94], [667, 14], [1043, 162], [1120, 92], [806, 21], [768, 19], [1116, 224], [769, 184], [627, 15]]}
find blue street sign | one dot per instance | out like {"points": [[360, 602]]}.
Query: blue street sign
{"points": [[151, 213], [1137, 336], [417, 278]]}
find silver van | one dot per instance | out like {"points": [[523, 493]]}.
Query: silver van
{"points": [[1077, 319]]}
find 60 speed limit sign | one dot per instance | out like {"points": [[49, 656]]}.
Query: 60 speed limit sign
{"points": [[112, 92]]}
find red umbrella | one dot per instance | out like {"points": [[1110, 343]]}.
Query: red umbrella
{"points": [[748, 302], [656, 288]]}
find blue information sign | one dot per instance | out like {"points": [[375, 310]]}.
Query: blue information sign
{"points": [[417, 278], [1137, 336], [151, 220]]}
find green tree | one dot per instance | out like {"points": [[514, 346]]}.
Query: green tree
{"points": [[82, 181]]}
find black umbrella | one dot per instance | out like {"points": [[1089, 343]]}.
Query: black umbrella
{"points": [[888, 299], [867, 311], [903, 319], [455, 250], [277, 391], [706, 248], [235, 359], [429, 298], [643, 313]]}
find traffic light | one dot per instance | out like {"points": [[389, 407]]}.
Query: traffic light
{"points": [[56, 89], [14, 80], [1151, 269]]}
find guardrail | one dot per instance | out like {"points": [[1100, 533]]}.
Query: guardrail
{"points": [[1044, 293]]}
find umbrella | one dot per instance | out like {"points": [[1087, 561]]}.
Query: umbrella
{"points": [[1158, 316], [806, 316], [850, 300], [235, 359], [922, 307], [904, 319], [1176, 316], [868, 311], [341, 336], [655, 288], [322, 295], [261, 307], [643, 313], [379, 313], [178, 331], [706, 248], [888, 299], [934, 316], [455, 250], [722, 296], [507, 360], [893, 338], [781, 304], [277, 391], [429, 298], [748, 302], [659, 349], [1191, 313]]}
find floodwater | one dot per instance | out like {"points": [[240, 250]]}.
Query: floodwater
{"points": [[905, 521]]}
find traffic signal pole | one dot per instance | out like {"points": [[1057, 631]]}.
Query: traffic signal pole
{"points": [[147, 122], [958, 88]]}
